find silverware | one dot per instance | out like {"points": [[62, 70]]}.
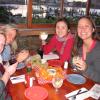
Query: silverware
{"points": [[74, 97], [79, 92], [17, 78]]}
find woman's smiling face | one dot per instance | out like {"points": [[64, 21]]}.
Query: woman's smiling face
{"points": [[10, 36], [85, 28], [61, 29]]}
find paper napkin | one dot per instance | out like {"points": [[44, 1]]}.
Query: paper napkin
{"points": [[17, 79], [50, 56], [84, 93], [95, 91]]}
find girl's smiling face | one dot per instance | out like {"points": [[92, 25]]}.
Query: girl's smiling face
{"points": [[61, 29], [85, 29]]}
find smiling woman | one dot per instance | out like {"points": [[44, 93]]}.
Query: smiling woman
{"points": [[87, 45]]}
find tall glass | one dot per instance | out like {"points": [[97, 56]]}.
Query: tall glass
{"points": [[43, 36], [57, 83], [74, 61]]}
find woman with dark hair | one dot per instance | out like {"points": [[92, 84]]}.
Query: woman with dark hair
{"points": [[87, 45], [61, 42]]}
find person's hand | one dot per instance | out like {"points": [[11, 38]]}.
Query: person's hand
{"points": [[10, 69], [81, 64], [43, 42], [21, 56]]}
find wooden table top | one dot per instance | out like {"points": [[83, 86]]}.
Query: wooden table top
{"points": [[17, 90]]}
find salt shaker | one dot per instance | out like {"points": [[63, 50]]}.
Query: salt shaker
{"points": [[65, 65]]}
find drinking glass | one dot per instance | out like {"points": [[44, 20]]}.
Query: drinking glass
{"points": [[43, 36], [75, 59], [57, 83]]}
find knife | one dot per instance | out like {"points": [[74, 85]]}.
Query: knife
{"points": [[17, 78]]}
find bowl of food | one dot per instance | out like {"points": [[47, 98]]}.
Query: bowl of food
{"points": [[45, 75], [51, 71]]}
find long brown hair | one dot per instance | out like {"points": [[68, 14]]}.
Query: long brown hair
{"points": [[78, 41]]}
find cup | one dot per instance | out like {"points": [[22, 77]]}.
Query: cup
{"points": [[57, 83], [43, 36], [74, 60]]}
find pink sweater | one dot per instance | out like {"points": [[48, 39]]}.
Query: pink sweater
{"points": [[56, 45]]}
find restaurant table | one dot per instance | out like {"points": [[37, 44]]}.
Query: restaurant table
{"points": [[17, 90]]}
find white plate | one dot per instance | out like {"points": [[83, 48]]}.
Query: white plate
{"points": [[76, 78], [51, 71]]}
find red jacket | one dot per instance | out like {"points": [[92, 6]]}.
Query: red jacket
{"points": [[56, 45]]}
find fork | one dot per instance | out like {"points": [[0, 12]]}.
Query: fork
{"points": [[74, 97]]}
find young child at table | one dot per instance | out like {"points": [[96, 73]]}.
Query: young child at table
{"points": [[8, 70], [10, 48], [61, 42], [87, 45]]}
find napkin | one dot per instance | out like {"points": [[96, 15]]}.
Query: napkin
{"points": [[17, 79], [50, 56], [84, 93], [95, 91]]}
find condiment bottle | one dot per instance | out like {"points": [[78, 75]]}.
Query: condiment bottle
{"points": [[28, 76], [65, 66]]}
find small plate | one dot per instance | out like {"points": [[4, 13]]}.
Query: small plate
{"points": [[76, 78], [51, 71]]}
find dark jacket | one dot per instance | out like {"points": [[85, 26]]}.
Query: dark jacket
{"points": [[3, 93]]}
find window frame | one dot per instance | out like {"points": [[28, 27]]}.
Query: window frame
{"points": [[29, 23]]}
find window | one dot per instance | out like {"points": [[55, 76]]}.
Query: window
{"points": [[95, 11], [13, 11], [45, 11], [73, 9]]}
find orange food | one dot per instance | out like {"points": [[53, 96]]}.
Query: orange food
{"points": [[43, 73]]}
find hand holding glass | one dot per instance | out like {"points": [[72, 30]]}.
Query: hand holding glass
{"points": [[74, 61]]}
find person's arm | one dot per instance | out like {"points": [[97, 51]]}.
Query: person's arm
{"points": [[2, 87], [5, 77], [49, 46], [90, 67], [9, 70], [67, 50], [93, 70]]}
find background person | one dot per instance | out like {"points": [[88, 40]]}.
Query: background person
{"points": [[10, 48]]}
